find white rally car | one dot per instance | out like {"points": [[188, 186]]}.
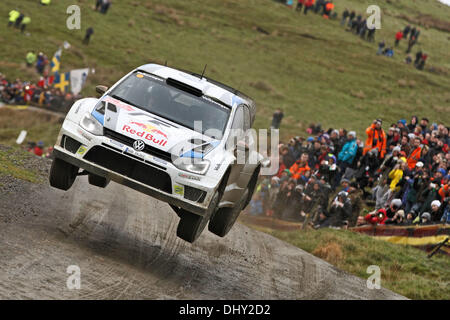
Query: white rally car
{"points": [[170, 134]]}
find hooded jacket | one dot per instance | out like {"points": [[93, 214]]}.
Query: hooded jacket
{"points": [[375, 139]]}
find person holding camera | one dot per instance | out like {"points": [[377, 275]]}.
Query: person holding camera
{"points": [[376, 139], [397, 219]]}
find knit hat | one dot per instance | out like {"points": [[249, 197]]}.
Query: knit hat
{"points": [[397, 148], [401, 213], [397, 203], [426, 215], [352, 133], [436, 203], [310, 139], [419, 164], [441, 170]]}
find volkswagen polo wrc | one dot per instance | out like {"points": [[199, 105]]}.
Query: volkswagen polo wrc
{"points": [[174, 135]]}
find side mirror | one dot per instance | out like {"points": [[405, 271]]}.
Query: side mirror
{"points": [[101, 89], [265, 163]]}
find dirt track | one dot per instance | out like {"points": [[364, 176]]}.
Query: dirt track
{"points": [[126, 247]]}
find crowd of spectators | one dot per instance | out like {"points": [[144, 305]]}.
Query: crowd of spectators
{"points": [[330, 177], [18, 92]]}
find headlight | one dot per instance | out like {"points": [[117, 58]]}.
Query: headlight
{"points": [[90, 124], [192, 165]]}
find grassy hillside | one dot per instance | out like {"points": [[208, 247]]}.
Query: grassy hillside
{"points": [[404, 269], [307, 65]]}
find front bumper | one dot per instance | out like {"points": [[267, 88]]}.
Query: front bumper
{"points": [[175, 189]]}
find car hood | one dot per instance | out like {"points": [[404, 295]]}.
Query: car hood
{"points": [[155, 131]]}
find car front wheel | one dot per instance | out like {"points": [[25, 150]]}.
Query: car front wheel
{"points": [[224, 219], [192, 225], [98, 181], [62, 174]]}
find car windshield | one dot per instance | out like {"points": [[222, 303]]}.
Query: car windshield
{"points": [[154, 95]]}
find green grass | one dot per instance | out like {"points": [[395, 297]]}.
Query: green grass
{"points": [[313, 80], [39, 126], [12, 163], [404, 269]]}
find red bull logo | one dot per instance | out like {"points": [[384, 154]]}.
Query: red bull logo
{"points": [[147, 134], [150, 128]]}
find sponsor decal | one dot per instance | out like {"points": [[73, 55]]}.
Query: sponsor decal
{"points": [[217, 167], [187, 176], [119, 104], [81, 150], [84, 134], [150, 128], [134, 153], [178, 189], [147, 135], [118, 144], [159, 160]]}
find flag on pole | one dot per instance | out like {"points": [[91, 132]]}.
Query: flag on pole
{"points": [[62, 81], [56, 61], [78, 79]]}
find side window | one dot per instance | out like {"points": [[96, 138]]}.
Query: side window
{"points": [[238, 121], [246, 118], [237, 127]]}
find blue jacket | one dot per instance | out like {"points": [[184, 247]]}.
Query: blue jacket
{"points": [[348, 151]]}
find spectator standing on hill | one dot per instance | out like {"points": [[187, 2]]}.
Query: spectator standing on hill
{"points": [[308, 5], [19, 20], [415, 154], [30, 58], [46, 2], [41, 63], [413, 32], [276, 118], [350, 18], [105, 6], [371, 34], [422, 61], [26, 21], [381, 46], [412, 41], [417, 34], [13, 15], [300, 4], [87, 37], [328, 7], [418, 57], [406, 31], [398, 37], [98, 5], [345, 15]]}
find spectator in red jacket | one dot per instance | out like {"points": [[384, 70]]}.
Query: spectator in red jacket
{"points": [[398, 37]]}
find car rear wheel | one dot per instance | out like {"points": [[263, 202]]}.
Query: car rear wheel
{"points": [[62, 174], [98, 181], [224, 219], [192, 225]]}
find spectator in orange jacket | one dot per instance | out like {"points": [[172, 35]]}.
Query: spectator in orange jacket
{"points": [[329, 6], [415, 154], [376, 138], [300, 167]]}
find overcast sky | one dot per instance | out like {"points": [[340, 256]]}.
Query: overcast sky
{"points": [[445, 1]]}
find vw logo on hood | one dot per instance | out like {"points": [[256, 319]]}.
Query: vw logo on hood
{"points": [[139, 145]]}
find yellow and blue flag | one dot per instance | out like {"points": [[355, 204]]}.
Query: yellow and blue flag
{"points": [[56, 61], [62, 81]]}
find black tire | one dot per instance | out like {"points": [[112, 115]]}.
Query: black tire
{"points": [[98, 181], [192, 225], [224, 219], [62, 174]]}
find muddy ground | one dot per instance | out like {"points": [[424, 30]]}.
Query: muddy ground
{"points": [[126, 247]]}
